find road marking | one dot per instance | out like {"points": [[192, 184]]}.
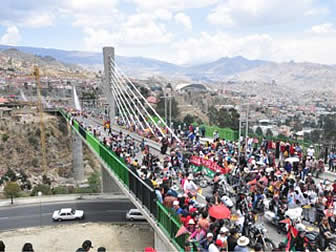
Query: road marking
{"points": [[4, 218]]}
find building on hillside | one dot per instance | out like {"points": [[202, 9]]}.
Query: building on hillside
{"points": [[192, 87]]}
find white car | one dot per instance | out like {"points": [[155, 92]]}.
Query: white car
{"points": [[67, 214], [134, 214]]}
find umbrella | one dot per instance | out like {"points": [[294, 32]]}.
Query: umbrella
{"points": [[149, 249], [183, 230], [292, 159], [329, 212], [220, 212]]}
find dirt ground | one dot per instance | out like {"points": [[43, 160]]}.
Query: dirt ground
{"points": [[60, 238]]}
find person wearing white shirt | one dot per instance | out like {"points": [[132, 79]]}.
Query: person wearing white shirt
{"points": [[190, 186]]}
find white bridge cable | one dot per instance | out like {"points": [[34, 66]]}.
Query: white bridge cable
{"points": [[121, 109], [150, 106], [124, 97], [121, 92], [122, 104], [132, 100], [142, 106]]}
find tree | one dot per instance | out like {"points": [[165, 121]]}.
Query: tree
{"points": [[94, 182], [188, 119], [269, 133], [12, 189], [212, 114], [259, 131]]}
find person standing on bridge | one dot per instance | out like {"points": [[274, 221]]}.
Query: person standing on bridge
{"points": [[190, 186]]}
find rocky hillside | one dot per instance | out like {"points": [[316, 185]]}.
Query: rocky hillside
{"points": [[20, 148]]}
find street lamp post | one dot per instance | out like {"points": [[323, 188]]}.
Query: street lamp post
{"points": [[39, 194], [246, 130], [170, 108]]}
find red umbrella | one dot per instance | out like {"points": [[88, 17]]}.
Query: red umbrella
{"points": [[149, 249], [220, 212]]}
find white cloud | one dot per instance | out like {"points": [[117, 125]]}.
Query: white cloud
{"points": [[326, 28], [181, 18], [138, 30], [90, 5], [209, 47], [11, 37], [163, 14], [261, 12], [42, 20], [175, 5], [317, 11]]}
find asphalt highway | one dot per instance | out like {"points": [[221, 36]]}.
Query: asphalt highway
{"points": [[40, 215]]}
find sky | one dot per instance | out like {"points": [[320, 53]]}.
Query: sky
{"points": [[177, 31]]}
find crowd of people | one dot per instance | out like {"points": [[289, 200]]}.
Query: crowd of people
{"points": [[262, 176]]}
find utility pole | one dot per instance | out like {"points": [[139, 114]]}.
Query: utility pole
{"points": [[170, 109], [239, 133], [246, 129], [166, 112]]}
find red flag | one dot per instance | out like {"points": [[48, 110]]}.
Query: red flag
{"points": [[183, 230]]}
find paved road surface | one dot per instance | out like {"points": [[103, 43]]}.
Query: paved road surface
{"points": [[94, 210]]}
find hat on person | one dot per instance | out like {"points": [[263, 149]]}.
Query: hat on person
{"points": [[87, 244], [243, 241], [191, 222], [190, 176], [209, 235], [219, 243], [224, 230]]}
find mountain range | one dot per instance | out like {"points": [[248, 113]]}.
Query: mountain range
{"points": [[291, 74]]}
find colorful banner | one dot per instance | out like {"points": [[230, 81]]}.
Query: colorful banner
{"points": [[213, 166]]}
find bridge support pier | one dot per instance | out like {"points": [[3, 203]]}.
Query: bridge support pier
{"points": [[108, 53], [159, 244], [77, 158], [108, 184]]}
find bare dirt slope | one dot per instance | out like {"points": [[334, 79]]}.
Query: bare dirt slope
{"points": [[20, 147], [61, 238]]}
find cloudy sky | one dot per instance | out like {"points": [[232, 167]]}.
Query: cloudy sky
{"points": [[179, 31]]}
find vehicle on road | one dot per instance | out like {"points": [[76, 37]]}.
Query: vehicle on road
{"points": [[67, 214], [134, 214]]}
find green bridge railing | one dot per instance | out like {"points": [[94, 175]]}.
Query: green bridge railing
{"points": [[166, 219]]}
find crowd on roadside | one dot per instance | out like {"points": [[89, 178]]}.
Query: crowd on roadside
{"points": [[282, 172]]}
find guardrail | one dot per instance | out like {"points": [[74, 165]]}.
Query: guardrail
{"points": [[165, 218]]}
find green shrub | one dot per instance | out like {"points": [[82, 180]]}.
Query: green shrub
{"points": [[5, 137], [35, 162], [33, 141], [45, 189], [60, 190]]}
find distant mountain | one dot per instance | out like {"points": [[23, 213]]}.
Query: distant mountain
{"points": [[141, 65], [224, 69], [298, 75]]}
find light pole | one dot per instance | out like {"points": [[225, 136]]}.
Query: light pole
{"points": [[170, 108], [239, 134], [246, 130], [39, 194]]}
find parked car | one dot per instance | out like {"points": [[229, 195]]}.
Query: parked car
{"points": [[134, 214], [67, 214]]}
